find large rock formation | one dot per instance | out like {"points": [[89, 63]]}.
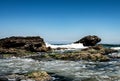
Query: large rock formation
{"points": [[18, 44], [89, 40]]}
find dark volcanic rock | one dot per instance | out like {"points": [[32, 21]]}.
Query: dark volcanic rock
{"points": [[16, 44], [89, 40]]}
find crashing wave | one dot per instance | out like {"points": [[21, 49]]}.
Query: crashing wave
{"points": [[115, 48], [67, 46]]}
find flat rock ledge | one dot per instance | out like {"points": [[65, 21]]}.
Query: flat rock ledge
{"points": [[93, 53]]}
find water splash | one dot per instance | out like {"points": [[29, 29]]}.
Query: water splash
{"points": [[68, 46], [116, 48]]}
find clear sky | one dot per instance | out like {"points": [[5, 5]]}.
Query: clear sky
{"points": [[61, 20]]}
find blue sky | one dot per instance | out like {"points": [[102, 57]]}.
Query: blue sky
{"points": [[61, 20]]}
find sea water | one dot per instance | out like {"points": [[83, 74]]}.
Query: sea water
{"points": [[76, 70], [72, 70]]}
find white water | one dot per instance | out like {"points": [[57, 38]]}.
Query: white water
{"points": [[67, 46], [101, 71], [77, 70], [83, 69], [17, 65], [115, 48]]}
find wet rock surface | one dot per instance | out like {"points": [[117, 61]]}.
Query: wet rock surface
{"points": [[99, 49], [93, 53], [73, 57], [3, 78], [89, 40]]}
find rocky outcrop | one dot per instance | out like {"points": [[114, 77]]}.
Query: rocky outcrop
{"points": [[22, 44], [89, 40], [39, 76], [99, 49], [93, 53], [82, 55], [32, 76]]}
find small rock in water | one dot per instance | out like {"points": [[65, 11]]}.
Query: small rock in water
{"points": [[2, 78], [90, 79], [18, 79]]}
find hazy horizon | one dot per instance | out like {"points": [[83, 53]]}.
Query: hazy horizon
{"points": [[61, 20]]}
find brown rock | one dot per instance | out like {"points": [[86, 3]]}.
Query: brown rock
{"points": [[102, 49], [39, 76], [89, 40], [14, 44], [32, 76]]}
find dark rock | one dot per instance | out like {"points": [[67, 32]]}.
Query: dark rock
{"points": [[2, 78], [18, 79], [16, 44], [89, 40], [61, 78], [90, 79]]}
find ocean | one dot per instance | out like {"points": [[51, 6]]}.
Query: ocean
{"points": [[69, 70]]}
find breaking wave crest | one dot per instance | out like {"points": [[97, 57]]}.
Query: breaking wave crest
{"points": [[115, 48], [67, 46]]}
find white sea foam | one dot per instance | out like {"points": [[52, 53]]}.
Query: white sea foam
{"points": [[17, 65], [68, 46], [115, 48], [74, 69]]}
